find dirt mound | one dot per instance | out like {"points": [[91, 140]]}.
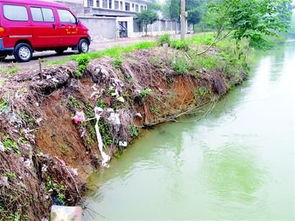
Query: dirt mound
{"points": [[49, 121]]}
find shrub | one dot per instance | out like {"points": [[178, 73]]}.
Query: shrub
{"points": [[164, 39]]}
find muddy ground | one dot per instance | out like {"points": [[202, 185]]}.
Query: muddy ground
{"points": [[49, 144]]}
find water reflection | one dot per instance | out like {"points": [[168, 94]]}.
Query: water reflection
{"points": [[231, 172]]}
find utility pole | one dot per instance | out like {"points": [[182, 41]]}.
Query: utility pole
{"points": [[183, 19]]}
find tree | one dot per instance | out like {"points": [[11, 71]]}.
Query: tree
{"points": [[252, 19], [173, 11], [148, 16], [194, 9]]}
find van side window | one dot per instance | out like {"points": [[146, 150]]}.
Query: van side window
{"points": [[37, 14], [42, 14], [15, 12], [48, 15], [66, 16]]}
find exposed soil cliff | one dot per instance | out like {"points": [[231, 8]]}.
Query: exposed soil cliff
{"points": [[46, 156]]}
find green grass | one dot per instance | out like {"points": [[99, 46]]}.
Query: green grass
{"points": [[115, 52], [202, 39]]}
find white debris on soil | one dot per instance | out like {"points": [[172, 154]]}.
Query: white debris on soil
{"points": [[105, 158], [123, 143], [2, 146], [66, 213], [79, 117]]}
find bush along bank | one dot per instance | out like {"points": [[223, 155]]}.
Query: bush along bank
{"points": [[59, 125]]}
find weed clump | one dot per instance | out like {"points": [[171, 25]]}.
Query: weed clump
{"points": [[164, 39], [180, 45], [181, 65], [117, 62], [82, 60]]}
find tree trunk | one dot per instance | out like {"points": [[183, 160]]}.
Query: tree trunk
{"points": [[183, 20]]}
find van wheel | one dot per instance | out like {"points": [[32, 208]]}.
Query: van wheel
{"points": [[83, 46], [23, 52]]}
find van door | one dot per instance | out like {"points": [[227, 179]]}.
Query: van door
{"points": [[45, 32], [68, 27]]}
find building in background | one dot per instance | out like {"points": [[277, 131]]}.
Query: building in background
{"points": [[110, 19]]}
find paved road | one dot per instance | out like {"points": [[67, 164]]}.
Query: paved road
{"points": [[51, 55]]}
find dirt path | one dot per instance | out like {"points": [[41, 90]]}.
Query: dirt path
{"points": [[51, 55]]}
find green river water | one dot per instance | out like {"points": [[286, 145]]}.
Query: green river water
{"points": [[235, 163]]}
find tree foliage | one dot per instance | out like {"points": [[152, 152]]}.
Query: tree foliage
{"points": [[148, 16], [193, 7], [252, 19]]}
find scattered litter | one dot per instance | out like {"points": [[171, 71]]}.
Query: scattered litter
{"points": [[44, 169], [105, 158], [66, 213], [114, 118], [55, 80], [96, 91], [83, 132], [123, 143], [27, 163], [138, 115], [121, 99], [4, 181], [79, 117], [38, 121], [2, 146]]}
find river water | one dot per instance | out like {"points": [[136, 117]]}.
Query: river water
{"points": [[235, 162]]}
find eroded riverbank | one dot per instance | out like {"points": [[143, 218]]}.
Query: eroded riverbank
{"points": [[49, 119], [235, 163]]}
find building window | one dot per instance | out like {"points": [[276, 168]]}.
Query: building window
{"points": [[90, 3], [110, 4], [141, 8], [117, 5], [97, 3], [105, 3], [132, 7], [127, 6], [121, 6], [136, 8]]}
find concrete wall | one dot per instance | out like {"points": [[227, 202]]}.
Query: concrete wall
{"points": [[157, 28], [100, 28]]}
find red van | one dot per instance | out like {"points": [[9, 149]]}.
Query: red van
{"points": [[27, 26]]}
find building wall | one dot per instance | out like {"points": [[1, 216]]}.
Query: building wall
{"points": [[100, 28], [116, 7]]}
